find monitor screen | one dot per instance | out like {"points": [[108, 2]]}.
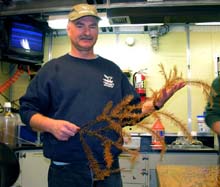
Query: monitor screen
{"points": [[25, 43], [26, 37]]}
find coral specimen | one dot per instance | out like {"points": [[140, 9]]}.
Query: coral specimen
{"points": [[126, 114], [121, 115], [206, 88]]}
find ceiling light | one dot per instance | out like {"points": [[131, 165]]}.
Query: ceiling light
{"points": [[60, 22], [57, 22], [104, 22], [208, 23]]}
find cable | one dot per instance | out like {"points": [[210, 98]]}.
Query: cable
{"points": [[11, 80]]}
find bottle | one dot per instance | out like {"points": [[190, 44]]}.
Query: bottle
{"points": [[159, 129], [8, 126], [202, 127]]}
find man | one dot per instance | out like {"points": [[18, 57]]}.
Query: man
{"points": [[212, 117], [212, 110], [69, 92]]}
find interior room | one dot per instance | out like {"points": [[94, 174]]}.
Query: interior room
{"points": [[154, 38]]}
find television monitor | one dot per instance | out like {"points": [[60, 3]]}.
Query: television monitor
{"points": [[25, 43]]}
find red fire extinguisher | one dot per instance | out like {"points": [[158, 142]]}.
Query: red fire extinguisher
{"points": [[139, 82]]}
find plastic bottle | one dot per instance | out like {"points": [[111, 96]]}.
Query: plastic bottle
{"points": [[201, 123], [202, 127], [8, 126], [159, 129]]}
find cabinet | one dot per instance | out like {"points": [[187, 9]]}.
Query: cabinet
{"points": [[183, 158], [133, 174], [34, 168], [142, 173], [179, 158]]}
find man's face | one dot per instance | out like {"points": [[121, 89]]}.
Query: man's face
{"points": [[83, 33]]}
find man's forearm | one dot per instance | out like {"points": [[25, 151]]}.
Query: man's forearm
{"points": [[41, 123], [216, 127]]}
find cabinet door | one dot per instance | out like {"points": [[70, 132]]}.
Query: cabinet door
{"points": [[18, 182], [134, 185], [34, 169], [133, 173], [153, 178]]}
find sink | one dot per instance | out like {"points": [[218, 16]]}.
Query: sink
{"points": [[188, 147]]}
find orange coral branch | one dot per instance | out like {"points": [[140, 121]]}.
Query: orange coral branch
{"points": [[125, 114]]}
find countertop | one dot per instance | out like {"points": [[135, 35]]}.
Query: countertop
{"points": [[169, 150], [143, 143], [27, 147], [191, 149], [188, 176]]}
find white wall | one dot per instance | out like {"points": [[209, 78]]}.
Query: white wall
{"points": [[173, 46]]}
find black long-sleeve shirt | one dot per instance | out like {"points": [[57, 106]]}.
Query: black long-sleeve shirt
{"points": [[75, 90]]}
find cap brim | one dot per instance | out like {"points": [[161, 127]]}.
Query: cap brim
{"points": [[73, 18]]}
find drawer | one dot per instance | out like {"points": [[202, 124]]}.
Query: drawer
{"points": [[133, 172]]}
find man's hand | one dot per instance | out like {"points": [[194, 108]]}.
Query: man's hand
{"points": [[216, 127], [63, 130], [165, 94]]}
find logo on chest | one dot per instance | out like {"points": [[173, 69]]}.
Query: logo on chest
{"points": [[108, 81]]}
